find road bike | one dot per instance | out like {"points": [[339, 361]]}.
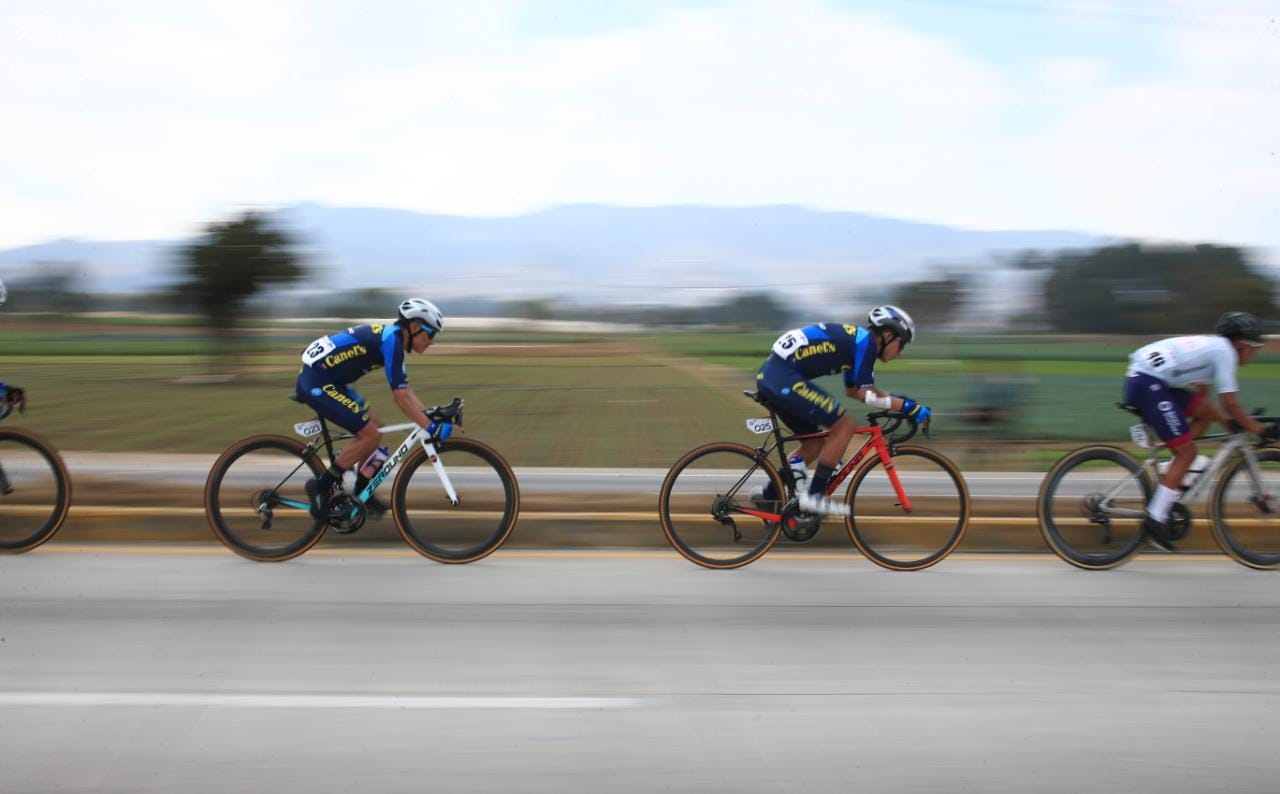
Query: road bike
{"points": [[454, 500], [35, 489], [1093, 501], [909, 504]]}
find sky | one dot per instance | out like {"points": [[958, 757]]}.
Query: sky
{"points": [[1156, 119]]}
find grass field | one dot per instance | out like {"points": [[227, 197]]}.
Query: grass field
{"points": [[556, 399]]}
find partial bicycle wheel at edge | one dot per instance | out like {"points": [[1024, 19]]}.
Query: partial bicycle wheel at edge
{"points": [[890, 536], [256, 502], [35, 491], [1246, 523], [701, 501], [487, 509], [1073, 501]]}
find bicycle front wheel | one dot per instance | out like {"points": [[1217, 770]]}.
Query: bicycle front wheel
{"points": [[702, 501], [908, 540], [256, 502], [35, 491], [1246, 523], [481, 521], [1091, 507]]}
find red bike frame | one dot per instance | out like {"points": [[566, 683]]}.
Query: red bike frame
{"points": [[874, 442]]}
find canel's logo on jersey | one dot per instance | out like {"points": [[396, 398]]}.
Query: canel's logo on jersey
{"points": [[821, 400], [346, 355], [342, 399], [814, 350]]}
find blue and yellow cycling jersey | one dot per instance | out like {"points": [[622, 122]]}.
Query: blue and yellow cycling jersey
{"points": [[349, 355], [830, 348]]}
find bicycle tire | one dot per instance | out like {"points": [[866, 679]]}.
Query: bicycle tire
{"points": [[468, 534], [936, 524], [1059, 510], [40, 496], [695, 534], [227, 500], [1239, 525]]}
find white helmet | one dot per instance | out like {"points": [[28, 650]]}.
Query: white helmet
{"points": [[424, 310], [895, 320]]}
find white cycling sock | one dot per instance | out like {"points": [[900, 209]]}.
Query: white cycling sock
{"points": [[1161, 503]]}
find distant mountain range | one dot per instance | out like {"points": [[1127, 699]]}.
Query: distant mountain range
{"points": [[671, 254]]}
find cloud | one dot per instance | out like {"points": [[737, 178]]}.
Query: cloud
{"points": [[120, 128]]}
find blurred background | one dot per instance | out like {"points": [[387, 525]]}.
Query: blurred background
{"points": [[618, 209]]}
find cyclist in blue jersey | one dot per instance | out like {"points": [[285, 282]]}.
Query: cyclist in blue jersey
{"points": [[785, 381], [12, 396], [331, 363]]}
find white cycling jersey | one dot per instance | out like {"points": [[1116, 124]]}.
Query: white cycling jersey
{"points": [[1188, 361]]}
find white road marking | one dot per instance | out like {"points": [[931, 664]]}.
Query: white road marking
{"points": [[278, 701]]}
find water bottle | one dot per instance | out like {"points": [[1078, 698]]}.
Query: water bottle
{"points": [[374, 462], [798, 471], [1197, 468]]}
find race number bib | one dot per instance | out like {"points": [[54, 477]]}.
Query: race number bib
{"points": [[759, 426], [317, 350], [789, 342]]}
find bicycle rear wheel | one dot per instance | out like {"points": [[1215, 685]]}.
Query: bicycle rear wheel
{"points": [[701, 501], [1077, 505], [488, 502], [1245, 522], [35, 491], [908, 541], [255, 500]]}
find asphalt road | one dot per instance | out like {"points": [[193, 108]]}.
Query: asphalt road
{"points": [[163, 672]]}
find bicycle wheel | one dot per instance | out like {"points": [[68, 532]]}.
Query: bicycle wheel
{"points": [[908, 541], [488, 502], [1079, 503], [35, 491], [700, 503], [255, 500], [1246, 523]]}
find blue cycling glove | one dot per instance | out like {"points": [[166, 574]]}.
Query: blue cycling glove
{"points": [[918, 413]]}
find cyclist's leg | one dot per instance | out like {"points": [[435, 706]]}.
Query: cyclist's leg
{"points": [[344, 407], [1165, 410], [805, 407]]}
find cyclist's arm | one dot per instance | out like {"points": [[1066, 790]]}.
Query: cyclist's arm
{"points": [[1237, 413], [408, 402], [875, 397]]}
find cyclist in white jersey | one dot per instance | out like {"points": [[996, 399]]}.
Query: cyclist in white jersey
{"points": [[1168, 383]]}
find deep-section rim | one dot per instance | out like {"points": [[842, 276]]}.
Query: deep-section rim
{"points": [[1047, 488], [1221, 529], [62, 502]]}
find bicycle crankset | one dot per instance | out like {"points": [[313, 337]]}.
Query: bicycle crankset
{"points": [[346, 514], [799, 527]]}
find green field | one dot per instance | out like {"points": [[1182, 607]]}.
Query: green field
{"points": [[556, 399]]}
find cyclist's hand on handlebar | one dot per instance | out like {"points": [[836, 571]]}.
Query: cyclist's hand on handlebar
{"points": [[920, 414], [16, 396]]}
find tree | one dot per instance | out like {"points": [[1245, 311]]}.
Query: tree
{"points": [[233, 261], [1150, 290], [931, 303]]}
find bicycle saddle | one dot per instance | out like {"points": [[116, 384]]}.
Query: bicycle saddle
{"points": [[755, 395], [1133, 409]]}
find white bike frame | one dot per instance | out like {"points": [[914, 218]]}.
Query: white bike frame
{"points": [[1233, 442]]}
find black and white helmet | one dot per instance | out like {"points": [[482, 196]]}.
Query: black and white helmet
{"points": [[1239, 325], [424, 310], [895, 320]]}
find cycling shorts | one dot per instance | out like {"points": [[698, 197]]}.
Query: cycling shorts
{"points": [[336, 402], [802, 405], [1162, 406]]}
